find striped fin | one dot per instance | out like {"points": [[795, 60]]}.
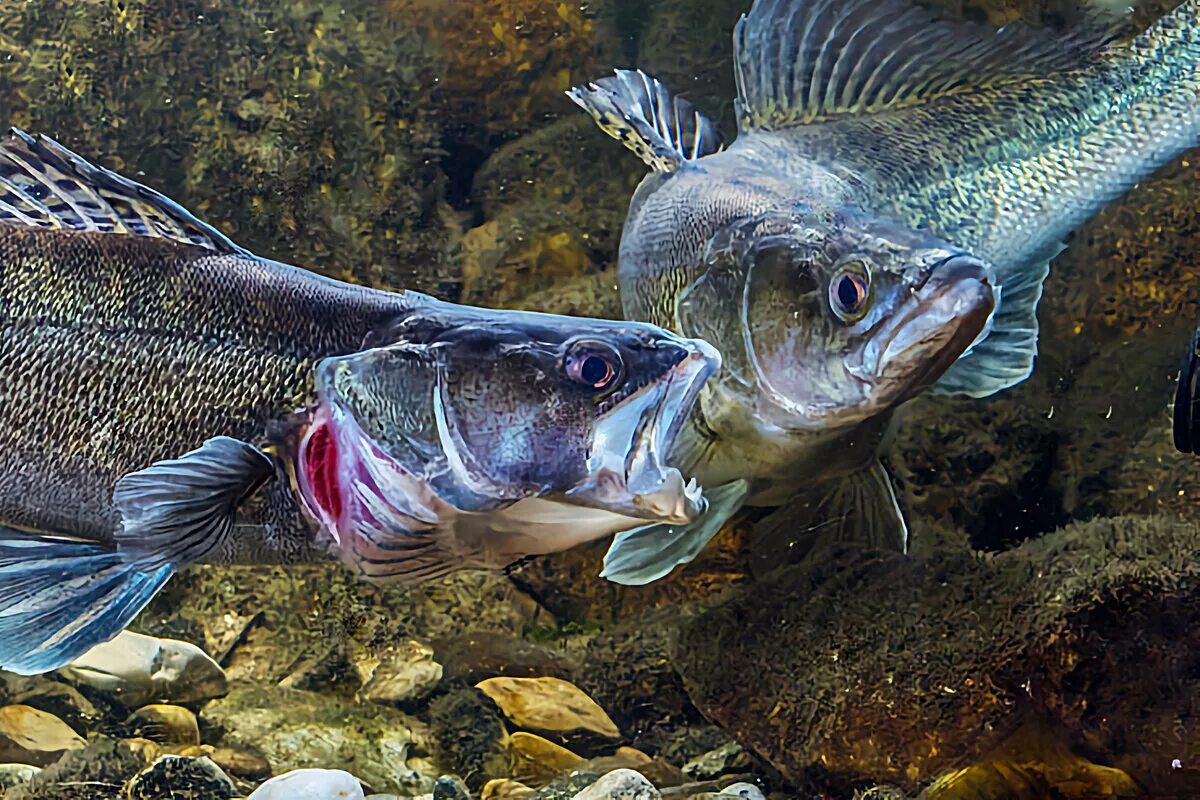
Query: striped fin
{"points": [[638, 111], [61, 597], [46, 185], [799, 62]]}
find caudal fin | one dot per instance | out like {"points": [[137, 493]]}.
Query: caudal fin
{"points": [[60, 597]]}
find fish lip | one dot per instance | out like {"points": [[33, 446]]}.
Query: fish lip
{"points": [[644, 487]]}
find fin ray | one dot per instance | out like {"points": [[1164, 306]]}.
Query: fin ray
{"points": [[44, 184], [798, 62], [645, 554], [64, 596], [638, 111], [181, 510]]}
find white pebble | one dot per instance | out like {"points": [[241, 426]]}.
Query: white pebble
{"points": [[311, 784]]}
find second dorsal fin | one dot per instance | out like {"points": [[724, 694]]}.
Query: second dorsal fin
{"points": [[638, 111], [44, 184], [799, 62]]}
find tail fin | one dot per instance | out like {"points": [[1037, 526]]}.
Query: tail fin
{"points": [[60, 597], [1187, 401]]}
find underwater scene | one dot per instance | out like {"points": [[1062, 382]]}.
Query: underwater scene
{"points": [[605, 400]]}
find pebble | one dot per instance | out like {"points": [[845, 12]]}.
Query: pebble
{"points": [[63, 701], [30, 736], [16, 774], [741, 791], [311, 784], [548, 704], [178, 776], [404, 674], [450, 787], [505, 789], [715, 763], [621, 784], [241, 763], [137, 670], [165, 724]]}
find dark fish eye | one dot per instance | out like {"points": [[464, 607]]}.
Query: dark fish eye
{"points": [[594, 365], [850, 292]]}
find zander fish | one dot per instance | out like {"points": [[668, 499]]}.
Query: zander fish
{"points": [[882, 226], [167, 398]]}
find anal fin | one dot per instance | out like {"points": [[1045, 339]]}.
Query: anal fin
{"points": [[860, 509], [60, 597], [645, 554]]}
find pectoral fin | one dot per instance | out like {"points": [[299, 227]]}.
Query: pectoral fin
{"points": [[181, 510], [860, 508], [645, 554]]}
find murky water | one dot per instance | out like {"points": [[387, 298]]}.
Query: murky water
{"points": [[1037, 640]]}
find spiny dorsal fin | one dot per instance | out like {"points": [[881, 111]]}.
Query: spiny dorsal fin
{"points": [[44, 184], [637, 110], [803, 61]]}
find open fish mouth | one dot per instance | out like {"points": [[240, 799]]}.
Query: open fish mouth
{"points": [[626, 470]]}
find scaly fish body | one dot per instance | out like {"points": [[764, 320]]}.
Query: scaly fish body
{"points": [[168, 398], [120, 351], [871, 133]]}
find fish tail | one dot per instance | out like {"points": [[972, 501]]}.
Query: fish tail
{"points": [[61, 597]]}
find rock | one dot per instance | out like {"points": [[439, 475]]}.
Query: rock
{"points": [[246, 763], [741, 791], [548, 705], [657, 771], [621, 784], [505, 789], [145, 749], [566, 787], [894, 669], [294, 729], [470, 734], [30, 736], [311, 784], [727, 758], [405, 673], [16, 774], [103, 767], [183, 778], [450, 787], [136, 670], [63, 701], [165, 724], [537, 761]]}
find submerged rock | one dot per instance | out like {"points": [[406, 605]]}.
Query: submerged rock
{"points": [[889, 668], [715, 763], [136, 670], [621, 784], [30, 736], [404, 673], [549, 705], [165, 724], [63, 701], [470, 734], [16, 774], [96, 772], [505, 789], [450, 787], [311, 784], [180, 778], [538, 761], [294, 729]]}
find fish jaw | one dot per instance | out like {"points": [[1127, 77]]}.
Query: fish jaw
{"points": [[626, 470]]}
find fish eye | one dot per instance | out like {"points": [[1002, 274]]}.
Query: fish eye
{"points": [[850, 292], [594, 365]]}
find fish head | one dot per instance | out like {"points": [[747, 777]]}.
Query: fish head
{"points": [[473, 410], [828, 317]]}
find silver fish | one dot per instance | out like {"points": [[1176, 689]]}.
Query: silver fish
{"points": [[882, 226]]}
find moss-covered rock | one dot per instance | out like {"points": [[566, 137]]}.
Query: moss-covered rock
{"points": [[891, 668]]}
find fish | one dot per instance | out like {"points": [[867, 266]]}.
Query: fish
{"points": [[880, 228], [1186, 409], [168, 398]]}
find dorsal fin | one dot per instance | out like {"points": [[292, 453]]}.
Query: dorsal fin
{"points": [[44, 184], [803, 61], [638, 111]]}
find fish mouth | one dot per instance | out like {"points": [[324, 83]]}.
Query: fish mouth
{"points": [[626, 470], [951, 311]]}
